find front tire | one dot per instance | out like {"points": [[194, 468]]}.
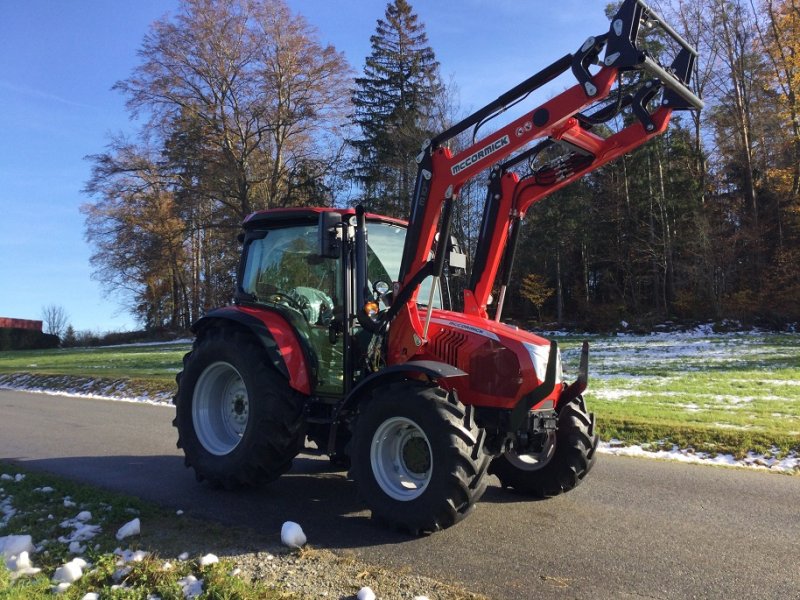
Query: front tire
{"points": [[566, 457], [418, 458], [239, 423]]}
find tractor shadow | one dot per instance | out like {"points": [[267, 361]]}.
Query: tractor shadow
{"points": [[314, 493]]}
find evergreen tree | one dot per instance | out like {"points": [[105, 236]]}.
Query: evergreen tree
{"points": [[395, 105]]}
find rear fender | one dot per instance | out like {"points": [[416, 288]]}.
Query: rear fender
{"points": [[281, 344]]}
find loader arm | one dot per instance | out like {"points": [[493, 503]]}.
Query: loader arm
{"points": [[441, 174]]}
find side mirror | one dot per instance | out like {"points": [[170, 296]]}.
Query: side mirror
{"points": [[329, 234]]}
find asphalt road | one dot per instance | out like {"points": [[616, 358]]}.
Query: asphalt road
{"points": [[635, 528]]}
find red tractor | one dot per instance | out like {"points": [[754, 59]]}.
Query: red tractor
{"points": [[340, 334]]}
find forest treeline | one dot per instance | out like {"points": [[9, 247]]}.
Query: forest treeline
{"points": [[242, 107]]}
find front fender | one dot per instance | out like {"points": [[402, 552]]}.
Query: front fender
{"points": [[282, 345], [432, 369]]}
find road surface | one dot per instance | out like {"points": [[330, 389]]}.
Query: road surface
{"points": [[636, 528]]}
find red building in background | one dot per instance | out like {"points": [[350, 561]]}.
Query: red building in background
{"points": [[21, 324]]}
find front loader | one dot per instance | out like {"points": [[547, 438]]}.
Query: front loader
{"points": [[342, 332]]}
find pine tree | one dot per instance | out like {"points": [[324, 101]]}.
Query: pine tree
{"points": [[395, 104]]}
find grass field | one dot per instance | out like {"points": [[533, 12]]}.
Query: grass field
{"points": [[718, 393], [730, 393]]}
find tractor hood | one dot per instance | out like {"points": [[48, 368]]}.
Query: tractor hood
{"points": [[503, 362]]}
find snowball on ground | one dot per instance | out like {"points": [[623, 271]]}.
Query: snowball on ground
{"points": [[21, 566], [208, 559], [69, 572], [365, 593], [130, 528], [292, 535], [61, 587]]}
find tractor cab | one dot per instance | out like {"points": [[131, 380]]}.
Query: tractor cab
{"points": [[285, 267]]}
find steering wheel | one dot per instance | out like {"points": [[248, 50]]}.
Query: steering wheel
{"points": [[284, 298]]}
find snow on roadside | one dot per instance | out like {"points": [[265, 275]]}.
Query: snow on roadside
{"points": [[79, 387], [787, 464]]}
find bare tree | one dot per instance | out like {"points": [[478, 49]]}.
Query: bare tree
{"points": [[243, 106], [54, 319]]}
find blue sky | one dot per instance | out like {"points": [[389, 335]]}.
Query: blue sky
{"points": [[59, 59]]}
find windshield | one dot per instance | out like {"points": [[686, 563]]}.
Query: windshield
{"points": [[385, 253]]}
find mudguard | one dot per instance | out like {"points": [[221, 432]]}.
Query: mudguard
{"points": [[432, 369], [283, 347]]}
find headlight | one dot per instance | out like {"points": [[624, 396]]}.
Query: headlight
{"points": [[539, 356]]}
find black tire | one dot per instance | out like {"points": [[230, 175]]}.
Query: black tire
{"points": [[441, 453], [243, 424], [571, 459]]}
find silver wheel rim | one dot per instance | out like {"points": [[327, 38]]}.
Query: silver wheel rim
{"points": [[401, 458], [535, 460], [220, 408]]}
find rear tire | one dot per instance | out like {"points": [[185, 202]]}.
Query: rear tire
{"points": [[418, 458], [239, 423], [557, 469]]}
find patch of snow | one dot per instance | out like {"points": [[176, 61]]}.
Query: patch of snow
{"points": [[91, 596], [44, 490], [61, 587], [81, 530], [130, 528], [292, 535], [7, 511], [183, 556], [191, 586], [787, 464], [14, 545], [126, 556]]}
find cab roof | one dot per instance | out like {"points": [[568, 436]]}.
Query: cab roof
{"points": [[308, 213]]}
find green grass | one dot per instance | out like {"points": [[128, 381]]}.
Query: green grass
{"points": [[118, 371], [721, 394], [164, 536], [153, 363]]}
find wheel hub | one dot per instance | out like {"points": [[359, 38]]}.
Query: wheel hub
{"points": [[534, 459], [220, 408], [401, 459], [416, 455]]}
